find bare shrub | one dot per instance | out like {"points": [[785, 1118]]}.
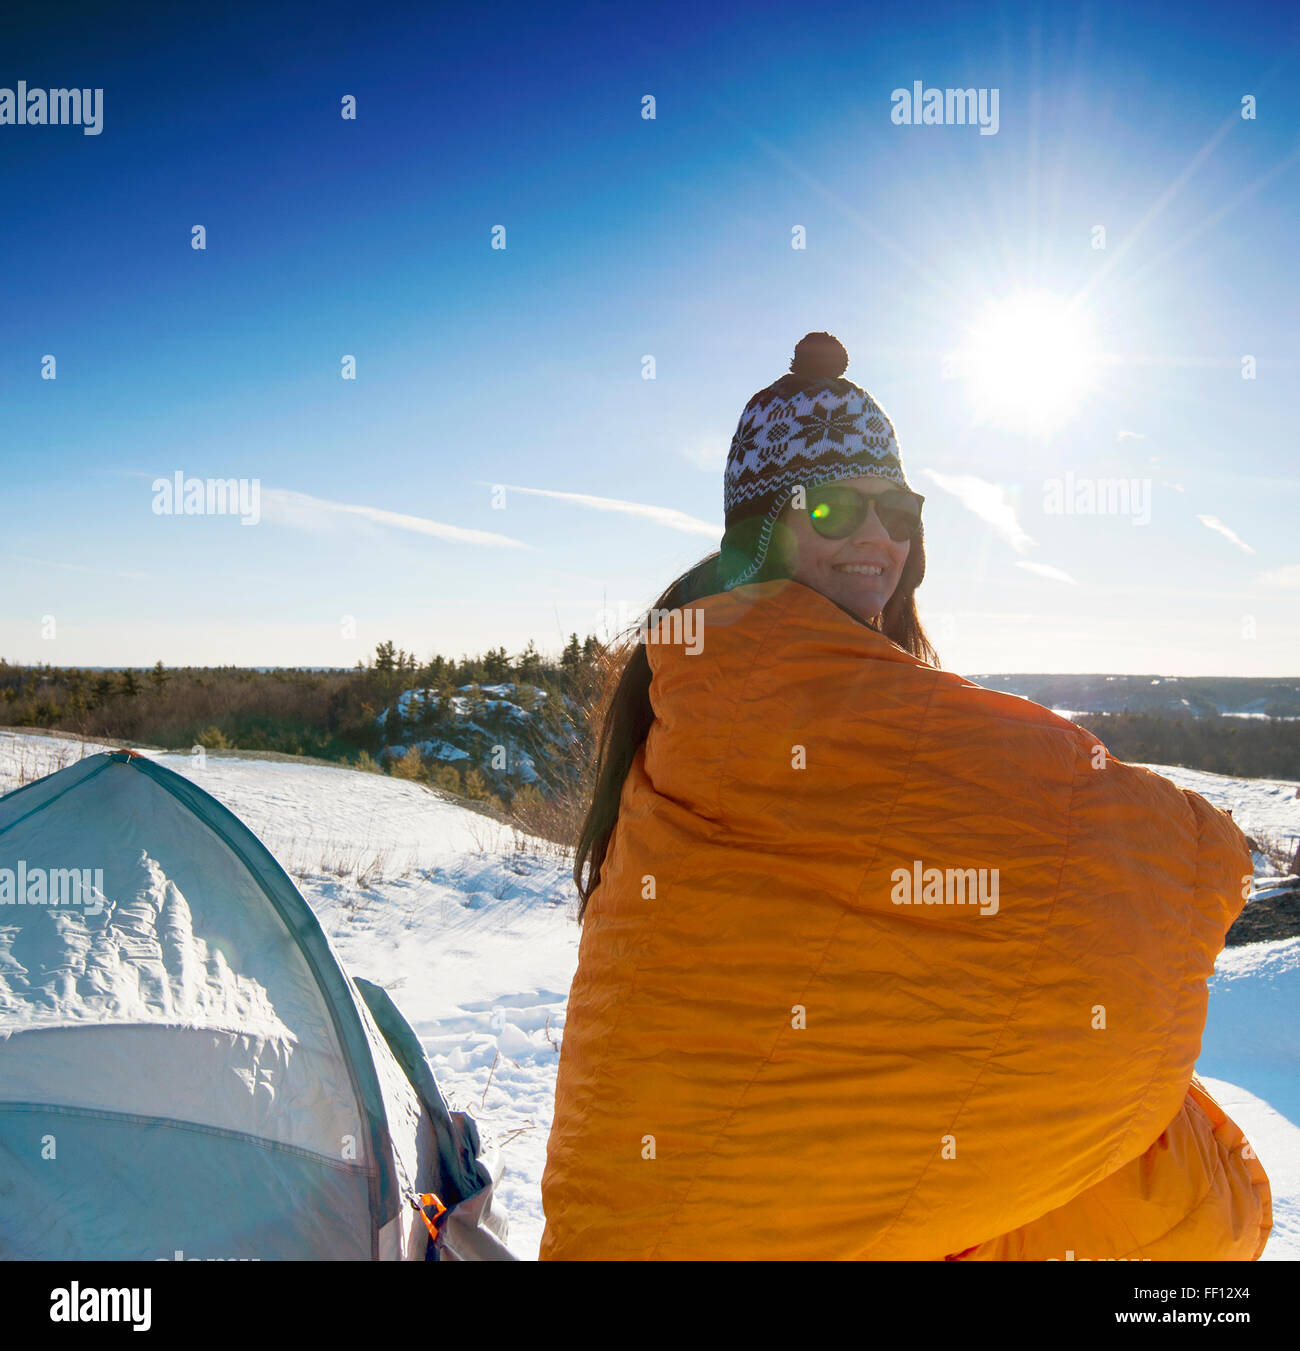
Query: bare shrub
{"points": [[557, 814], [408, 766]]}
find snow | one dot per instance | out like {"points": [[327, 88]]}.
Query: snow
{"points": [[470, 927], [501, 703], [1251, 1038], [410, 703], [525, 768], [510, 691], [1276, 1141], [441, 750]]}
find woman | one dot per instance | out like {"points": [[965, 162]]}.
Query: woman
{"points": [[875, 963]]}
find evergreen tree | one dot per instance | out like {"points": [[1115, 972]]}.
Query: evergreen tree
{"points": [[529, 663], [431, 674], [571, 657], [496, 666]]}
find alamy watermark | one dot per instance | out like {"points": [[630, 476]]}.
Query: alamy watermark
{"points": [[683, 627], [53, 886], [1072, 496], [181, 496], [921, 107], [23, 107], [74, 1303], [920, 885]]}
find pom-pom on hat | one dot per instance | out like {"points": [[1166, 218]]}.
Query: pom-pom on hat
{"points": [[810, 426]]}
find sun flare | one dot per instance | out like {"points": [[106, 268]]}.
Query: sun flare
{"points": [[1030, 360]]}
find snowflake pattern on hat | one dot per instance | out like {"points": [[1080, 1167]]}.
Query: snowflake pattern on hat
{"points": [[811, 426], [806, 430]]}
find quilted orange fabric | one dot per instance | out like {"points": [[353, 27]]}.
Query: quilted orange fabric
{"points": [[800, 1028]]}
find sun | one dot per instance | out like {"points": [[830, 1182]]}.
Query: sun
{"points": [[1029, 362]]}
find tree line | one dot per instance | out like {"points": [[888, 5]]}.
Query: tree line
{"points": [[349, 716]]}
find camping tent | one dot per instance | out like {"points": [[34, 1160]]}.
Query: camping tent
{"points": [[184, 1065]]}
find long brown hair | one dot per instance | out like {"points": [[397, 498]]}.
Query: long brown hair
{"points": [[628, 712]]}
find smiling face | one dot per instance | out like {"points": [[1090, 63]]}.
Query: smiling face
{"points": [[859, 572]]}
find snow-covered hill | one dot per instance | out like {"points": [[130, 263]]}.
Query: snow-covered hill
{"points": [[470, 927], [502, 729]]}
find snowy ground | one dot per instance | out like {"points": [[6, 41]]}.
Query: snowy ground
{"points": [[470, 927]]}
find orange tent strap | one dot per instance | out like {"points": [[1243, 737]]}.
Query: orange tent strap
{"points": [[429, 1199]]}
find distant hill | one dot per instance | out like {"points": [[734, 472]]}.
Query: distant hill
{"points": [[1162, 696], [503, 729]]}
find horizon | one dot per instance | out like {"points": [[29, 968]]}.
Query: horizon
{"points": [[552, 656], [1079, 315]]}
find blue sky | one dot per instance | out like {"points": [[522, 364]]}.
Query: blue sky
{"points": [[628, 237]]}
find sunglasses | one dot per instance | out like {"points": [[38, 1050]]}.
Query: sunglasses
{"points": [[838, 511]]}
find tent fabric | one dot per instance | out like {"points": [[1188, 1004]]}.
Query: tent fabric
{"points": [[184, 1064], [774, 1047], [472, 1229]]}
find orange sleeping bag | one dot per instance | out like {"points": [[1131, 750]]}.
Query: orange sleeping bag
{"points": [[883, 965]]}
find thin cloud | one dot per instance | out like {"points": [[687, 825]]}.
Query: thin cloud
{"points": [[1288, 576], [988, 501], [78, 567], [1046, 570], [1125, 435], [665, 516], [314, 513], [1213, 523]]}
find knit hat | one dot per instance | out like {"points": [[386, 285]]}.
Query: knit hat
{"points": [[811, 426]]}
